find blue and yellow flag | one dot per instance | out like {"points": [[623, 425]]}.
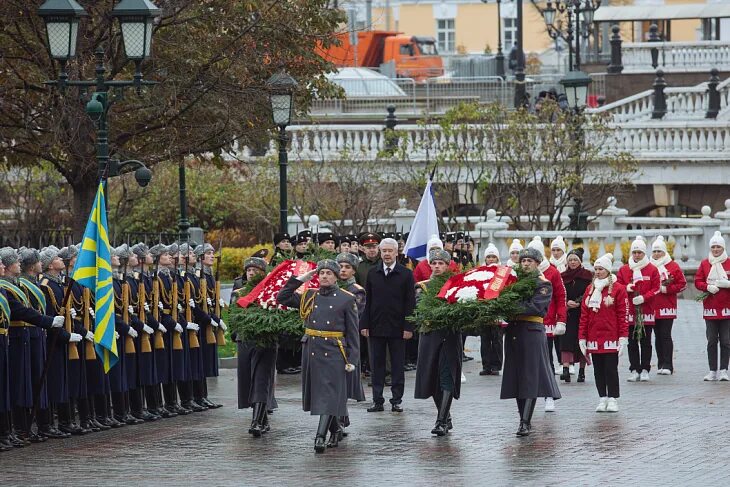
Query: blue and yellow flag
{"points": [[93, 270]]}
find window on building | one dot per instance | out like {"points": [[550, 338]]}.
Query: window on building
{"points": [[446, 35], [509, 33]]}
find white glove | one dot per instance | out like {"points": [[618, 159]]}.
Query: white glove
{"points": [[147, 329], [723, 284], [214, 323], [559, 329], [193, 326], [147, 307], [75, 338], [222, 302], [179, 307], [178, 328], [638, 300], [622, 342], [210, 302], [223, 325], [349, 368], [92, 313], [663, 289], [132, 332], [160, 305], [58, 321], [630, 287], [307, 276], [89, 336], [72, 312], [191, 302], [130, 308], [161, 328], [713, 289], [582, 346], [116, 335]]}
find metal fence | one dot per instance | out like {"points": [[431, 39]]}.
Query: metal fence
{"points": [[36, 238]]}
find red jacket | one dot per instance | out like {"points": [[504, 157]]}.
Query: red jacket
{"points": [[716, 306], [648, 287], [665, 304], [558, 309], [601, 329], [422, 272]]}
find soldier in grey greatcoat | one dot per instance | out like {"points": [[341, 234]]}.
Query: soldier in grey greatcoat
{"points": [[330, 345], [438, 370], [527, 372]]}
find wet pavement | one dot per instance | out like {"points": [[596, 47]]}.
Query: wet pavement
{"points": [[671, 430]]}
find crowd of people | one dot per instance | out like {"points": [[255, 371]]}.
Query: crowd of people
{"points": [[167, 327], [577, 317]]}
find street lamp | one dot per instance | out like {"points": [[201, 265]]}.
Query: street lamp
{"points": [[62, 27], [575, 9], [576, 85], [500, 55], [281, 87]]}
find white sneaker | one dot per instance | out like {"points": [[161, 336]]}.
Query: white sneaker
{"points": [[633, 377], [665, 372], [601, 408], [571, 369], [711, 376], [549, 405], [463, 378], [644, 376], [558, 369], [723, 376], [612, 405]]}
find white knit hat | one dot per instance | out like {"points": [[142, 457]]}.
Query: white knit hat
{"points": [[605, 261], [717, 240], [516, 245], [639, 244], [434, 241], [491, 250], [558, 243], [659, 244], [536, 243]]}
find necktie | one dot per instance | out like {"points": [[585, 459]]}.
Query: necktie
{"points": [[387, 271]]}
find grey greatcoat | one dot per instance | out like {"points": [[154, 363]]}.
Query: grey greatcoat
{"points": [[256, 374], [527, 372], [324, 378], [354, 384]]}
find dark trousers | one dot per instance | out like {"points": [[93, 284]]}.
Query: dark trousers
{"points": [[553, 342], [718, 331], [412, 349], [396, 347], [605, 371], [664, 344], [491, 348], [640, 353]]}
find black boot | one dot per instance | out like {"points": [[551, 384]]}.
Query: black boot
{"points": [[84, 419], [582, 374], [335, 433], [198, 393], [185, 388], [344, 423], [442, 425], [324, 426], [171, 404], [5, 432], [257, 419], [91, 411], [565, 375], [46, 426], [208, 402], [526, 418], [66, 419]]}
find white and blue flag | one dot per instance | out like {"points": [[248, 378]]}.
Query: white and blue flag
{"points": [[425, 225]]}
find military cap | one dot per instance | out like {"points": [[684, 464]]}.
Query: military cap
{"points": [[399, 236], [305, 233], [173, 249], [300, 239], [123, 251], [369, 238], [140, 250], [202, 249], [68, 253], [467, 238], [47, 256], [352, 237], [185, 248], [325, 236], [347, 258], [405, 236], [280, 237], [530, 253], [9, 256], [328, 264], [450, 237], [256, 262], [388, 235], [342, 239], [442, 236], [158, 250], [28, 257], [438, 254]]}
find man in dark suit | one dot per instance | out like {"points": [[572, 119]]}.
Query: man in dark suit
{"points": [[389, 298]]}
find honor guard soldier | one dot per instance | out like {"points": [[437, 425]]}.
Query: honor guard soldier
{"points": [[326, 241], [354, 246], [369, 243], [212, 303], [282, 248], [331, 346], [301, 246], [343, 244]]}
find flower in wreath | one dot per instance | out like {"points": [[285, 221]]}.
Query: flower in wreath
{"points": [[468, 293], [486, 282], [482, 276]]}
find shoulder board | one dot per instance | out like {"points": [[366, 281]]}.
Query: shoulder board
{"points": [[358, 287], [423, 283], [44, 282], [347, 292]]}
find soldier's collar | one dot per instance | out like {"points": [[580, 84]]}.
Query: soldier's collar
{"points": [[10, 279], [348, 282], [54, 277], [326, 291], [30, 277]]}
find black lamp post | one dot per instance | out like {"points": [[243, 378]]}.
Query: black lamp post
{"points": [[520, 91], [62, 27], [500, 55], [281, 88], [576, 85], [574, 9]]}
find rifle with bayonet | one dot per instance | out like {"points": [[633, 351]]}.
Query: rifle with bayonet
{"points": [[220, 335], [175, 298], [188, 294], [128, 340], [73, 350]]}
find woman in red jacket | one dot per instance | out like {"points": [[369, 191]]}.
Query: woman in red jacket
{"points": [[642, 283], [665, 304], [604, 330], [712, 277]]}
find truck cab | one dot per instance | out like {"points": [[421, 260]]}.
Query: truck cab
{"points": [[415, 57]]}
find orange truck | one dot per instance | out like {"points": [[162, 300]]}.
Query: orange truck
{"points": [[414, 57]]}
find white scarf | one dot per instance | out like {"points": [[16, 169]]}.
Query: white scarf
{"points": [[512, 264], [637, 266], [661, 266], [594, 301], [560, 263], [543, 265], [717, 271]]}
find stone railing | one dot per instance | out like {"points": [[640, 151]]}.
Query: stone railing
{"points": [[676, 56]]}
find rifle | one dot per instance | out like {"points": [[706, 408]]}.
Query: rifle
{"points": [[144, 338], [176, 338], [209, 333], [220, 335], [187, 292], [73, 351], [159, 342], [128, 340], [89, 351]]}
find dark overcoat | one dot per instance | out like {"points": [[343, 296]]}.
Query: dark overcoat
{"points": [[527, 373], [256, 374], [388, 301], [324, 378], [354, 383]]}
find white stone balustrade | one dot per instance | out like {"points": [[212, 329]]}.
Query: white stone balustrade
{"points": [[676, 56]]}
